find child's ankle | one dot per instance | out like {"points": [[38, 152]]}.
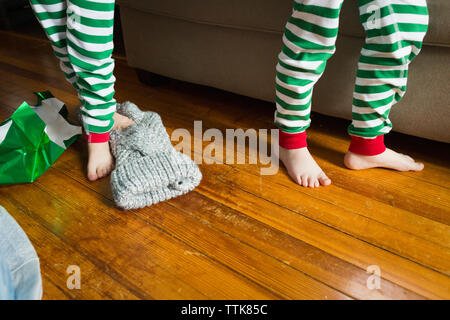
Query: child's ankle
{"points": [[93, 137], [292, 140], [367, 146]]}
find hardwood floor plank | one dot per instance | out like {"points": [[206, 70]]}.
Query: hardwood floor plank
{"points": [[426, 253], [263, 237], [142, 254], [215, 244], [362, 205], [51, 291], [405, 192], [365, 208], [293, 252], [21, 89], [280, 277], [56, 256], [405, 273], [71, 167]]}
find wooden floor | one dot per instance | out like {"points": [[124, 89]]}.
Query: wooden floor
{"points": [[239, 235]]}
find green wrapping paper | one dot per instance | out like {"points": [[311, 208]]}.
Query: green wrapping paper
{"points": [[33, 138]]}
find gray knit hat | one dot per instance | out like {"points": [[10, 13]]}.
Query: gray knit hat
{"points": [[148, 169]]}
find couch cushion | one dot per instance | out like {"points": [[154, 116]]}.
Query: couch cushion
{"points": [[271, 15], [268, 15]]}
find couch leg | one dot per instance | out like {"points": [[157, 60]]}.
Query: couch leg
{"points": [[150, 78]]}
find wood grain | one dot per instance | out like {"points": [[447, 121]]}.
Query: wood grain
{"points": [[239, 235]]}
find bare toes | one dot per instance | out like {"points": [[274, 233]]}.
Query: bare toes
{"points": [[99, 173], [418, 166], [92, 175], [324, 180], [412, 165], [102, 172], [304, 181]]}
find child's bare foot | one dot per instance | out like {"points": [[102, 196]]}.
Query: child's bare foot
{"points": [[121, 122], [388, 159], [100, 163], [302, 168]]}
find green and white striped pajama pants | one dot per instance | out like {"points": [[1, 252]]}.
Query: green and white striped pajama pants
{"points": [[394, 33], [81, 34]]}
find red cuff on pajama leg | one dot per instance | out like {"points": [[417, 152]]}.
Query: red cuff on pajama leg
{"points": [[292, 140], [367, 147], [97, 137]]}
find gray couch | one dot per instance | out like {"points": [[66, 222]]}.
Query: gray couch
{"points": [[233, 45]]}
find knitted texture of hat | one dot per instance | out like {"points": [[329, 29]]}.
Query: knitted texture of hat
{"points": [[148, 169]]}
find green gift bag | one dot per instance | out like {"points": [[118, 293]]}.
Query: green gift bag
{"points": [[33, 138]]}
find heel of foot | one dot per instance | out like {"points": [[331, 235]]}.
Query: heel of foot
{"points": [[352, 161]]}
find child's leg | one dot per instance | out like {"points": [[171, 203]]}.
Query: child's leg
{"points": [[309, 41], [394, 35], [90, 46], [52, 15], [81, 33]]}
